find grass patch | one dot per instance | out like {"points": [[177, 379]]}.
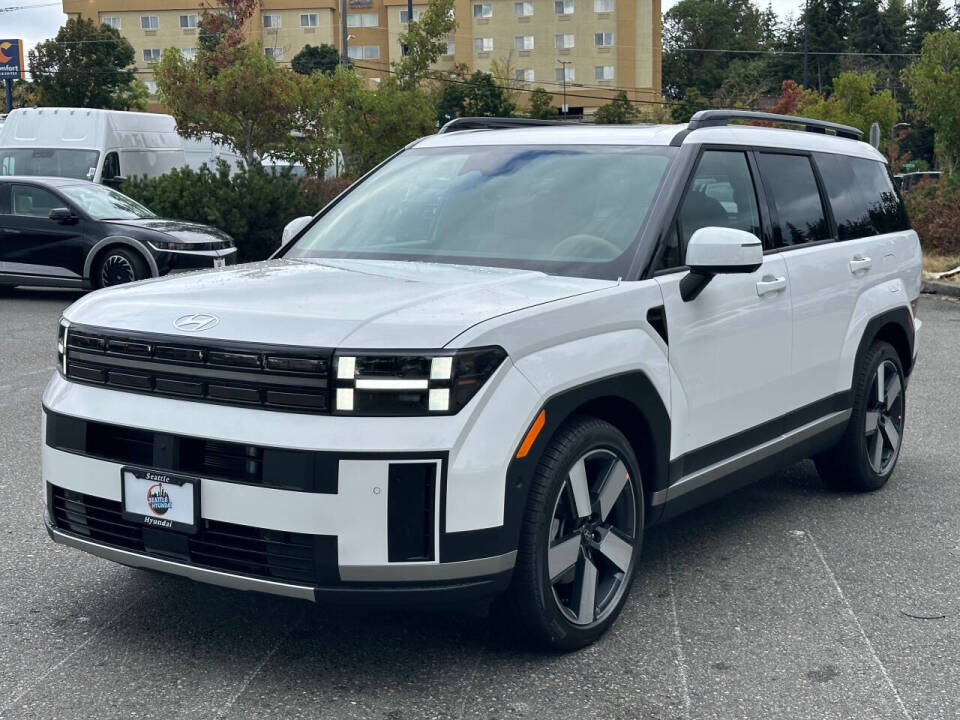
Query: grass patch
{"points": [[940, 263]]}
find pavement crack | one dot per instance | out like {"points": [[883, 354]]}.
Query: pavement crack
{"points": [[856, 621], [678, 641]]}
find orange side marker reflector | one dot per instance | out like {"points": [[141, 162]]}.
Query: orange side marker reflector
{"points": [[532, 434]]}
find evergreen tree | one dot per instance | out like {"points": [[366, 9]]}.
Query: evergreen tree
{"points": [[924, 17]]}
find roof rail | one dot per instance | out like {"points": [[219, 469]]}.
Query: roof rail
{"points": [[496, 123], [715, 118]]}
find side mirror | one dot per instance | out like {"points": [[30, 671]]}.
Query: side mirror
{"points": [[293, 228], [114, 182], [62, 215], [717, 250]]}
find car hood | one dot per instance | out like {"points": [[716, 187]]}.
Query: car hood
{"points": [[177, 229], [328, 303]]}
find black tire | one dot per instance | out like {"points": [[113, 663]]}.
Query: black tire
{"points": [[856, 463], [554, 613], [118, 266]]}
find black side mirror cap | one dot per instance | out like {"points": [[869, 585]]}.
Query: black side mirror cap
{"points": [[62, 215], [114, 182]]}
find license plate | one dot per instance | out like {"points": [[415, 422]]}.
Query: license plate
{"points": [[159, 499], [219, 262]]}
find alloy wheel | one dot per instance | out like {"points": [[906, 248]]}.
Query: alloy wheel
{"points": [[883, 419], [592, 537], [117, 270]]}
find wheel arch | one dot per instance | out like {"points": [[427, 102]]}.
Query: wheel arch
{"points": [[894, 326], [103, 245], [629, 402]]}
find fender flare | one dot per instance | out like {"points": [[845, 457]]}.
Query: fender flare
{"points": [[119, 240], [899, 316]]}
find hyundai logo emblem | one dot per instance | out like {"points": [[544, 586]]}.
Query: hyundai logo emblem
{"points": [[195, 322]]}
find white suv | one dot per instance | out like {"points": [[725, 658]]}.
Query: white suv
{"points": [[492, 363]]}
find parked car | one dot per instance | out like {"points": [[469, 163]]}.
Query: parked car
{"points": [[907, 182], [492, 363], [99, 145], [72, 233]]}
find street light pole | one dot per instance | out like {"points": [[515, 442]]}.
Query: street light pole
{"points": [[563, 65], [806, 41], [344, 59]]}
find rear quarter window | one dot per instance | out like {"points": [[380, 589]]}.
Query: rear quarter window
{"points": [[862, 196]]}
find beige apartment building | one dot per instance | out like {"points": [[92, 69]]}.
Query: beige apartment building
{"points": [[591, 48]]}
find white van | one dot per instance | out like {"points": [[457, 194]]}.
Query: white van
{"points": [[100, 145], [206, 151]]}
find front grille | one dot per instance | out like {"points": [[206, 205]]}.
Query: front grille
{"points": [[267, 554], [272, 377]]}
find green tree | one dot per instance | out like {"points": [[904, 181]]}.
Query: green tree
{"points": [[541, 106], [854, 102], [85, 65], [477, 96], [934, 84], [134, 97], [691, 102], [236, 94], [312, 58], [619, 111], [694, 28], [221, 23], [924, 17], [424, 42]]}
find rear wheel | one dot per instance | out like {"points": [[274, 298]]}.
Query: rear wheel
{"points": [[865, 457], [581, 536], [118, 266]]}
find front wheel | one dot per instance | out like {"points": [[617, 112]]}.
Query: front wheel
{"points": [[119, 266], [581, 536], [864, 458]]}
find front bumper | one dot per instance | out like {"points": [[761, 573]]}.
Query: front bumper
{"points": [[172, 261]]}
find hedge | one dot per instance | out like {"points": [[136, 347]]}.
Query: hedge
{"points": [[252, 206], [934, 211]]}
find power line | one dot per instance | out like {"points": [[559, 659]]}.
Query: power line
{"points": [[791, 52], [17, 8]]}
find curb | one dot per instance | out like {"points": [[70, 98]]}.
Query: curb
{"points": [[938, 287]]}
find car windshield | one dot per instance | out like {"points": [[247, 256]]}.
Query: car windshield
{"points": [[566, 210], [102, 203], [52, 162]]}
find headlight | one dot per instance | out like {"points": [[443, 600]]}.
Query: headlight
{"points": [[62, 346], [411, 383]]}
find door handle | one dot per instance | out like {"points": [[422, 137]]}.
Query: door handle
{"points": [[860, 264], [771, 284]]}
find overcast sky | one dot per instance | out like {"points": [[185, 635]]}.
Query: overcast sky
{"points": [[40, 23]]}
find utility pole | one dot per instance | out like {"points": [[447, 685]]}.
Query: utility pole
{"points": [[344, 59], [9, 93], [409, 14], [806, 41], [563, 64]]}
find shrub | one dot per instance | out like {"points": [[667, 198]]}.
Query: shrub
{"points": [[935, 214], [252, 206]]}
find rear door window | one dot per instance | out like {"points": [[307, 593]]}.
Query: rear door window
{"points": [[862, 196], [792, 188]]}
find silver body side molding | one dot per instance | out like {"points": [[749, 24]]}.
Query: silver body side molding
{"points": [[698, 479]]}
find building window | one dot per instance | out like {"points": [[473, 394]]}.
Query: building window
{"points": [[523, 9], [523, 42], [482, 45], [274, 52], [364, 19], [189, 53], [363, 52], [563, 41], [151, 55], [563, 7], [404, 19], [603, 6], [603, 39], [564, 74], [271, 21], [483, 10], [603, 72], [523, 75], [451, 48], [111, 20], [188, 21], [309, 20], [151, 86], [149, 22]]}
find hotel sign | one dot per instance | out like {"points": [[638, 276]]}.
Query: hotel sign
{"points": [[11, 60]]}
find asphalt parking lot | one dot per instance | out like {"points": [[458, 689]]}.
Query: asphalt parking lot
{"points": [[783, 600]]}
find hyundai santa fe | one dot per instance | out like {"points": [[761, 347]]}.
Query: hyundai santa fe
{"points": [[488, 366]]}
